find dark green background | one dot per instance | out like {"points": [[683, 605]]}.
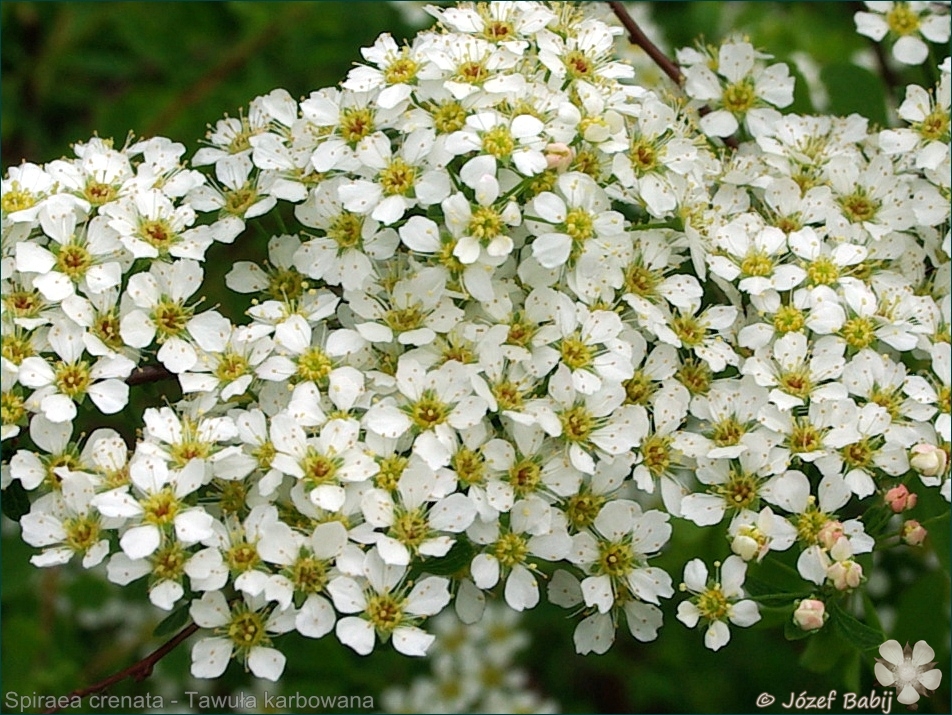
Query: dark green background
{"points": [[70, 70]]}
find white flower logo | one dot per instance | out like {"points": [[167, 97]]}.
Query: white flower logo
{"points": [[908, 669]]}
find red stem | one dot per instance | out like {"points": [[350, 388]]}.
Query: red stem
{"points": [[138, 671], [637, 37]]}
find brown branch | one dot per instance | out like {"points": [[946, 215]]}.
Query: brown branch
{"points": [[637, 37], [149, 373], [137, 671]]}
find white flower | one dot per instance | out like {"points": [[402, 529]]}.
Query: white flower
{"points": [[151, 226], [434, 405], [388, 608], [908, 22], [717, 601], [908, 670], [737, 88], [159, 509], [89, 257], [401, 180], [243, 630], [62, 383], [534, 530], [349, 242], [615, 555], [160, 313], [64, 524], [415, 524]]}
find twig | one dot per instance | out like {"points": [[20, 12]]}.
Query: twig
{"points": [[137, 671], [637, 37], [149, 373]]}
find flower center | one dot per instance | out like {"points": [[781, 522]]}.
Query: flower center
{"points": [[410, 528], [170, 318], [404, 319], [428, 411], [858, 207], [74, 260], [355, 124], [796, 383], [641, 280], [859, 332], [578, 65], [469, 466], [391, 469], [577, 424], [575, 353], [308, 574], [449, 117], [82, 532], [401, 70], [696, 376], [498, 141], [247, 630], [318, 468], [727, 432], [242, 557], [525, 476], [902, 20], [511, 549], [615, 558], [739, 97], [740, 490], [397, 178], [486, 223], [385, 612], [823, 272], [788, 319], [757, 263], [161, 507], [582, 508], [168, 563], [98, 193], [713, 604], [346, 230], [689, 330], [72, 379], [314, 365], [805, 437], [17, 199], [656, 453]]}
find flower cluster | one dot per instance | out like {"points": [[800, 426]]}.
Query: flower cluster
{"points": [[521, 313]]}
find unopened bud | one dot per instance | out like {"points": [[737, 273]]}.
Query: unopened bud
{"points": [[900, 499], [913, 533], [928, 460], [845, 574], [829, 534], [810, 614], [559, 156]]}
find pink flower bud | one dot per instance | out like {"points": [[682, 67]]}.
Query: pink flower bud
{"points": [[829, 534], [900, 499], [913, 533], [845, 574], [928, 460], [810, 614], [558, 156]]}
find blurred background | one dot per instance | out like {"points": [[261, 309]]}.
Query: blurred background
{"points": [[72, 70]]}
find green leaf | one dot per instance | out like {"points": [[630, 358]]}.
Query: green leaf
{"points": [[779, 600], [855, 89], [14, 501], [172, 623], [456, 559], [853, 630]]}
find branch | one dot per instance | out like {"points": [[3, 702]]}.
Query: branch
{"points": [[149, 373], [137, 671], [637, 37]]}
